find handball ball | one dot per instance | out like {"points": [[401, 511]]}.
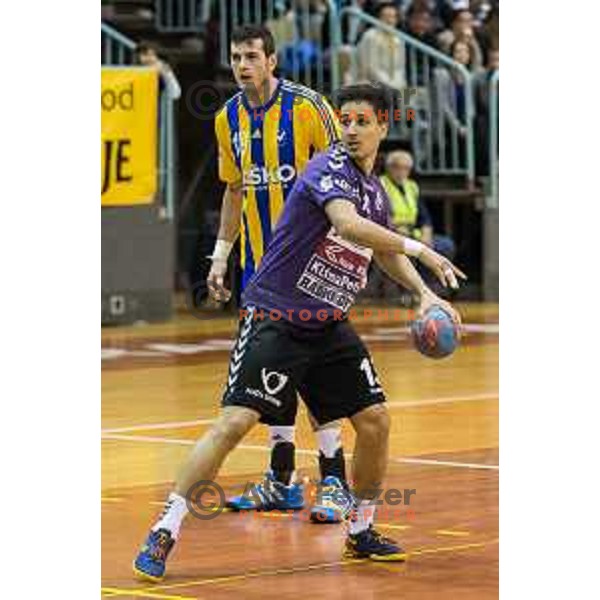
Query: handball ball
{"points": [[436, 334]]}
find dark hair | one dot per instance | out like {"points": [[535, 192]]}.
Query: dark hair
{"points": [[377, 96], [245, 33], [459, 12], [145, 46], [382, 5], [419, 12]]}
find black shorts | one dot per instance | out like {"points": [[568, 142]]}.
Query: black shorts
{"points": [[272, 361]]}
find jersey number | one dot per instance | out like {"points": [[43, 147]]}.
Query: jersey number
{"points": [[366, 366]]}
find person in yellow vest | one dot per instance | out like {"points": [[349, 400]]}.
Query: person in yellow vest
{"points": [[409, 213]]}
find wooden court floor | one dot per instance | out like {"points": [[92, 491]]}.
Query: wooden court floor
{"points": [[161, 389]]}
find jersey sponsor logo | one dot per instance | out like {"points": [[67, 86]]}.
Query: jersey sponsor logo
{"points": [[326, 183], [315, 287], [332, 252], [262, 396], [345, 185], [337, 159], [261, 176], [273, 382], [336, 272]]}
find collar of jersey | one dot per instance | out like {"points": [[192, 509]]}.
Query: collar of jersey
{"points": [[265, 107]]}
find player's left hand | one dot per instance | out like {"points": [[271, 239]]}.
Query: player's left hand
{"points": [[443, 269], [429, 299]]}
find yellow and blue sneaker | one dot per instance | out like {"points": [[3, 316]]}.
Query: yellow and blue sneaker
{"points": [[269, 495], [151, 561], [370, 544], [331, 502]]}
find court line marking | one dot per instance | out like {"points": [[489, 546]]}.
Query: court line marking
{"points": [[395, 404], [150, 427], [445, 463], [427, 550], [111, 592], [449, 532], [292, 570], [401, 460]]}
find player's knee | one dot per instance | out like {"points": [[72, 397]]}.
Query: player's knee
{"points": [[373, 421], [234, 424]]}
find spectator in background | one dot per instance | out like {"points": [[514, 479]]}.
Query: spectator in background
{"points": [[381, 55], [440, 11], [462, 30], [147, 55], [409, 213], [420, 27], [299, 34], [450, 92]]}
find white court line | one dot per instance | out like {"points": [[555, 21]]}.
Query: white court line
{"points": [[444, 463], [396, 404], [303, 451], [172, 425], [446, 400]]}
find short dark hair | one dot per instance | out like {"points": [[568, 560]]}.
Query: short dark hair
{"points": [[419, 12], [378, 96], [245, 33], [145, 46], [383, 5], [457, 13]]}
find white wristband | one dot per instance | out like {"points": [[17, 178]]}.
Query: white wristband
{"points": [[222, 250], [413, 247]]}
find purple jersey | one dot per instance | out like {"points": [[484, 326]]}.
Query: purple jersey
{"points": [[309, 274]]}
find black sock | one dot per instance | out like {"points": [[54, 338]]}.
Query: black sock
{"points": [[283, 461], [333, 467]]}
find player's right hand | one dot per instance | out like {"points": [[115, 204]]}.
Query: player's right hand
{"points": [[442, 268], [214, 282]]}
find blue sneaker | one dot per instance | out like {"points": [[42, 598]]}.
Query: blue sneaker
{"points": [[332, 500], [372, 545], [269, 495], [151, 561]]}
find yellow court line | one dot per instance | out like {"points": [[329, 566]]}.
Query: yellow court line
{"points": [[109, 499], [252, 574], [110, 592], [427, 550], [292, 570], [452, 533], [386, 526]]}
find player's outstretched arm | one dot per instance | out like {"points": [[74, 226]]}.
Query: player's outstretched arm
{"points": [[399, 268], [354, 228], [229, 229]]}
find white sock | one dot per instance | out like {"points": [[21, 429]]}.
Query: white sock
{"points": [[173, 514], [365, 513], [330, 440], [281, 434]]}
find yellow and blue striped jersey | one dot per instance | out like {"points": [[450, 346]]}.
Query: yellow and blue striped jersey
{"points": [[265, 149]]}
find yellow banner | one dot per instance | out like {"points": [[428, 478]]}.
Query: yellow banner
{"points": [[129, 131]]}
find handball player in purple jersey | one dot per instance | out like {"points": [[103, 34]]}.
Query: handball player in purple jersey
{"points": [[296, 335]]}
